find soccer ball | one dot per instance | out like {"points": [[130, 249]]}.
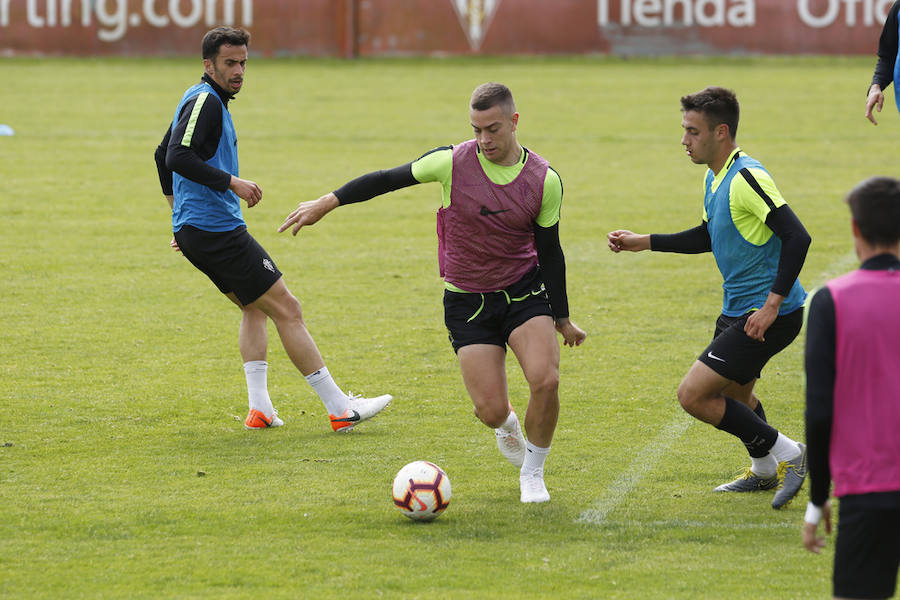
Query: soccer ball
{"points": [[421, 490]]}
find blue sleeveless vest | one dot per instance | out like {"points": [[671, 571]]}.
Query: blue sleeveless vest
{"points": [[897, 75], [748, 270], [196, 204]]}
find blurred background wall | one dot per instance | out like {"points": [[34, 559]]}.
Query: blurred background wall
{"points": [[350, 28]]}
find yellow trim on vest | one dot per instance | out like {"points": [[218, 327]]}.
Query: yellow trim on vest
{"points": [[192, 122]]}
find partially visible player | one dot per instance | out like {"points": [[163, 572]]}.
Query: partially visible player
{"points": [[759, 245], [198, 170], [503, 268], [853, 401], [887, 69]]}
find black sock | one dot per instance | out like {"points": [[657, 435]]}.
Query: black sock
{"points": [[760, 412], [743, 423]]}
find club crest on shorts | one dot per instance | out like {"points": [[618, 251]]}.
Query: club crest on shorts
{"points": [[475, 17], [268, 264]]}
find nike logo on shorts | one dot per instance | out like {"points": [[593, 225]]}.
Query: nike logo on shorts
{"points": [[714, 357]]}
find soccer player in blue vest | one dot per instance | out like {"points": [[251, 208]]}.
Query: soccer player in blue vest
{"points": [[198, 170], [887, 69], [853, 401], [759, 246]]}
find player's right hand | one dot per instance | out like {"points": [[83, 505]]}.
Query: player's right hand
{"points": [[174, 245], [309, 213], [622, 239], [811, 540]]}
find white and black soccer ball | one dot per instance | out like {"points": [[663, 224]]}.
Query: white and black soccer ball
{"points": [[421, 490]]}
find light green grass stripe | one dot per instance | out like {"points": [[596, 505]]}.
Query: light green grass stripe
{"points": [[195, 114], [645, 461]]}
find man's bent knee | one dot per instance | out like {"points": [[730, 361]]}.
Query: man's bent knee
{"points": [[280, 305], [688, 398], [491, 416], [699, 388], [546, 385]]}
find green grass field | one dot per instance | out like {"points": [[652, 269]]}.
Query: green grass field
{"points": [[125, 471]]}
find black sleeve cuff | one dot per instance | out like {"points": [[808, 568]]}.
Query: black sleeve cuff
{"points": [[375, 183], [887, 50], [689, 241], [553, 268]]}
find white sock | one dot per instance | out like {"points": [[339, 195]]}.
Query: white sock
{"points": [[257, 390], [785, 448], [510, 424], [335, 401], [534, 458], [765, 466]]}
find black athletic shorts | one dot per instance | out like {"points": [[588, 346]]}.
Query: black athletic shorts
{"points": [[736, 356], [490, 318], [866, 553], [233, 260]]}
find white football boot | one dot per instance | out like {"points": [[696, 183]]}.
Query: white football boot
{"points": [[533, 488], [512, 443], [361, 409]]}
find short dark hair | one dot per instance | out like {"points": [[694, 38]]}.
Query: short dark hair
{"points": [[718, 105], [875, 208], [488, 95], [215, 38]]}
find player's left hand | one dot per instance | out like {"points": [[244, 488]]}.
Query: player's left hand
{"points": [[572, 334], [759, 322], [247, 190], [811, 541], [875, 100]]}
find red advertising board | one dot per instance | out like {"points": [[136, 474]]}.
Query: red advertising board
{"points": [[429, 27], [153, 27]]}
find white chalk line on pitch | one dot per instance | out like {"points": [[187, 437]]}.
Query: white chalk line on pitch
{"points": [[647, 459], [687, 524], [842, 265]]}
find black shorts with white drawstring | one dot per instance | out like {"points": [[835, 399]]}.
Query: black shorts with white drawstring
{"points": [[490, 317]]}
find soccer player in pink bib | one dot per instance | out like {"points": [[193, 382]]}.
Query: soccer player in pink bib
{"points": [[853, 401], [503, 269]]}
